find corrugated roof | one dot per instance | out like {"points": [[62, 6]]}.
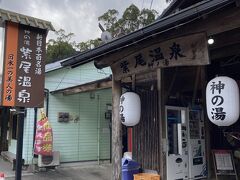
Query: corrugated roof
{"points": [[177, 5], [55, 65], [161, 25], [6, 15]]}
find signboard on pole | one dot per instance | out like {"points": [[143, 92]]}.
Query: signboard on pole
{"points": [[23, 66]]}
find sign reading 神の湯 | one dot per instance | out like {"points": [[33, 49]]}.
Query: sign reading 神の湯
{"points": [[24, 65], [183, 51]]}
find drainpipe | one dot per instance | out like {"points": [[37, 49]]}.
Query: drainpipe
{"points": [[46, 91], [98, 122], [35, 125]]}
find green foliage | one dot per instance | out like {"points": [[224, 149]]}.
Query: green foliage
{"points": [[109, 18], [131, 20], [60, 48], [90, 44]]}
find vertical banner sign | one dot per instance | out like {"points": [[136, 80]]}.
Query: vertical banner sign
{"points": [[10, 65], [43, 144], [23, 82]]}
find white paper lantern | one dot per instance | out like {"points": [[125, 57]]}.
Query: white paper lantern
{"points": [[130, 108], [222, 98]]}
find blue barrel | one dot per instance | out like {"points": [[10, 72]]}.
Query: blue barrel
{"points": [[129, 167]]}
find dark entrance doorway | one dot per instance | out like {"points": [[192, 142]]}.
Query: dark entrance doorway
{"points": [[4, 120]]}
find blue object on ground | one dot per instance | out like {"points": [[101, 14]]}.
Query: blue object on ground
{"points": [[129, 167]]}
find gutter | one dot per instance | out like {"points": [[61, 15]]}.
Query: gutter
{"points": [[163, 24]]}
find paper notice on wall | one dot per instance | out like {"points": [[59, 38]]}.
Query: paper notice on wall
{"points": [[223, 161]]}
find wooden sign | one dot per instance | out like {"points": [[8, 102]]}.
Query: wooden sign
{"points": [[24, 66], [183, 51]]}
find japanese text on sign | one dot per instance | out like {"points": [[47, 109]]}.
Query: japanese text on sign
{"points": [[24, 62], [217, 100], [187, 50], [24, 81]]}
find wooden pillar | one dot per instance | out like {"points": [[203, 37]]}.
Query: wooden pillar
{"points": [[161, 105], [206, 122], [116, 131]]}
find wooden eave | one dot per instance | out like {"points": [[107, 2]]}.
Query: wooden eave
{"points": [[105, 55], [91, 86], [6, 15], [213, 24]]}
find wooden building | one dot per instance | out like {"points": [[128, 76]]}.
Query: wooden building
{"points": [[82, 95], [168, 63]]}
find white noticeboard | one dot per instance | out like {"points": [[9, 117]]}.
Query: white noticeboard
{"points": [[223, 161], [224, 164]]}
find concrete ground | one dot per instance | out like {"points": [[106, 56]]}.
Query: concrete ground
{"points": [[69, 171]]}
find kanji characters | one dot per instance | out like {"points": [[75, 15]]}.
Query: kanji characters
{"points": [[9, 79], [25, 65], [24, 81], [24, 96], [217, 87], [38, 70], [139, 60], [218, 114], [26, 53], [217, 100], [124, 66], [176, 51]]}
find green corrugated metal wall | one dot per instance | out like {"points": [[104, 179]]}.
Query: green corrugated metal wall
{"points": [[76, 140]]}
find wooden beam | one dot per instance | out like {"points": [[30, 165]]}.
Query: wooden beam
{"points": [[87, 88], [116, 131], [225, 52], [238, 3], [195, 89], [206, 121]]}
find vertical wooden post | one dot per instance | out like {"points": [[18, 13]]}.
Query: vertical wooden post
{"points": [[116, 131], [130, 129], [161, 121], [206, 122]]}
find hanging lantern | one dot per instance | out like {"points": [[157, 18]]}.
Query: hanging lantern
{"points": [[130, 108], [222, 98]]}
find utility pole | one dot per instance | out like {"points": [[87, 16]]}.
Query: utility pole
{"points": [[20, 126]]}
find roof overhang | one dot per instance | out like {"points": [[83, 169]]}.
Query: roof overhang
{"points": [[91, 86], [6, 15], [162, 25]]}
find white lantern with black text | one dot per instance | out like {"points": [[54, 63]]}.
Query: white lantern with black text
{"points": [[222, 98], [130, 108]]}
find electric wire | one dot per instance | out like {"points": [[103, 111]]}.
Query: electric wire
{"points": [[151, 4], [64, 75]]}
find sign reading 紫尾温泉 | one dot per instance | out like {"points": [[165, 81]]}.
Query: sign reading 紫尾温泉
{"points": [[24, 65], [183, 51]]}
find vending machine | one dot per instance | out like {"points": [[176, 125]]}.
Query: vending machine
{"points": [[196, 138], [185, 143]]}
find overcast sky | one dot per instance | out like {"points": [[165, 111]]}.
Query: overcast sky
{"points": [[76, 16]]}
